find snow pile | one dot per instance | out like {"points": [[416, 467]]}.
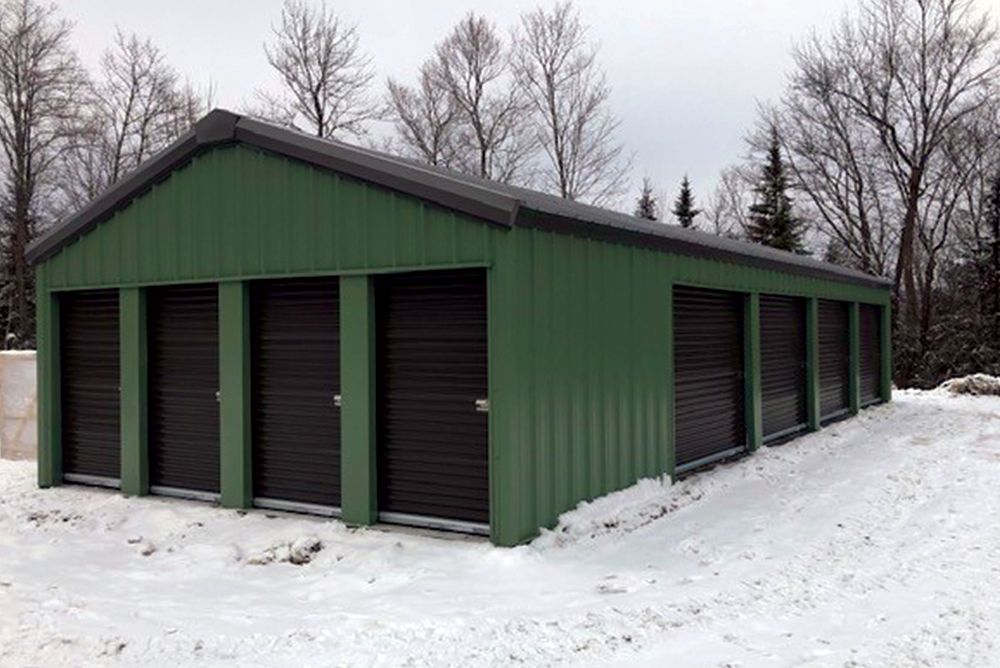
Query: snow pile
{"points": [[866, 544], [978, 384], [620, 512]]}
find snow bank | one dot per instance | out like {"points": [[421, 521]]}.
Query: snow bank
{"points": [[978, 384], [867, 544]]}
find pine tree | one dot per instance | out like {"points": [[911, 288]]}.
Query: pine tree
{"points": [[647, 206], [684, 210], [772, 221]]}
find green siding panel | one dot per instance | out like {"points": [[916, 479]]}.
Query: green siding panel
{"points": [[134, 428], [235, 472], [752, 372], [854, 345], [47, 367], [359, 486], [580, 332], [812, 364]]}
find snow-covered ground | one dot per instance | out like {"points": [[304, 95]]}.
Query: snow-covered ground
{"points": [[873, 543]]}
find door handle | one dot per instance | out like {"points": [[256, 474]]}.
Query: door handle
{"points": [[482, 405]]}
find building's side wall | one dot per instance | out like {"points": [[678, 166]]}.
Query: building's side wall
{"points": [[581, 358], [582, 369]]}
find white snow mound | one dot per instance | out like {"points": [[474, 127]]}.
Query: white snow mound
{"points": [[977, 384]]}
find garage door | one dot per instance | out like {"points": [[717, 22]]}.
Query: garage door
{"points": [[183, 418], [432, 359], [89, 359], [834, 359], [783, 365], [295, 376], [708, 368], [871, 354]]}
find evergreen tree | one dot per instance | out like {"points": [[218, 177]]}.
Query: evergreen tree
{"points": [[684, 210], [772, 221], [647, 206]]}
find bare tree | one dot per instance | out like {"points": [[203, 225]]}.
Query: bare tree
{"points": [[325, 73], [905, 74], [40, 82], [557, 67], [472, 66], [728, 205], [426, 118], [137, 105]]}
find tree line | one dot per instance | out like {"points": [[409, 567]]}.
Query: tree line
{"points": [[882, 154]]}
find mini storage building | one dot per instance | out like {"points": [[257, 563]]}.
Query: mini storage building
{"points": [[266, 318]]}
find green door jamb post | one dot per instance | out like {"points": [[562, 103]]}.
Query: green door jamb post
{"points": [[132, 394], [885, 334], [49, 413], [671, 394], [236, 480], [751, 371], [854, 368], [359, 482], [812, 363]]}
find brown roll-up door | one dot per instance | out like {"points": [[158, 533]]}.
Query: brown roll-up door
{"points": [[783, 365], [871, 354], [295, 375], [834, 359], [183, 348], [89, 382], [708, 369], [432, 369]]}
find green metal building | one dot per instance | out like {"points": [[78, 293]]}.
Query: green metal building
{"points": [[266, 318]]}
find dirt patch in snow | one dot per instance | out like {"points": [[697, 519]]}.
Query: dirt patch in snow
{"points": [[298, 552]]}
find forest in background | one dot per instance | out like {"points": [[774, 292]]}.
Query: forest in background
{"points": [[883, 152]]}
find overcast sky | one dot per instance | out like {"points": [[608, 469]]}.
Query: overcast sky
{"points": [[686, 74]]}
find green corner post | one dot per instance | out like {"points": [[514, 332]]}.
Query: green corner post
{"points": [[854, 370], [236, 480], [812, 363], [885, 335], [132, 396], [671, 387], [752, 371], [49, 419], [358, 483]]}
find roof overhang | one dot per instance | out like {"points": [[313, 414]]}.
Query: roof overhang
{"points": [[221, 127], [492, 203]]}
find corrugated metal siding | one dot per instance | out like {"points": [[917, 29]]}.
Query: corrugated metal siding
{"points": [[295, 373], [834, 358], [708, 367], [783, 364], [432, 368], [871, 353], [217, 218], [183, 381], [579, 329], [90, 380], [580, 353]]}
